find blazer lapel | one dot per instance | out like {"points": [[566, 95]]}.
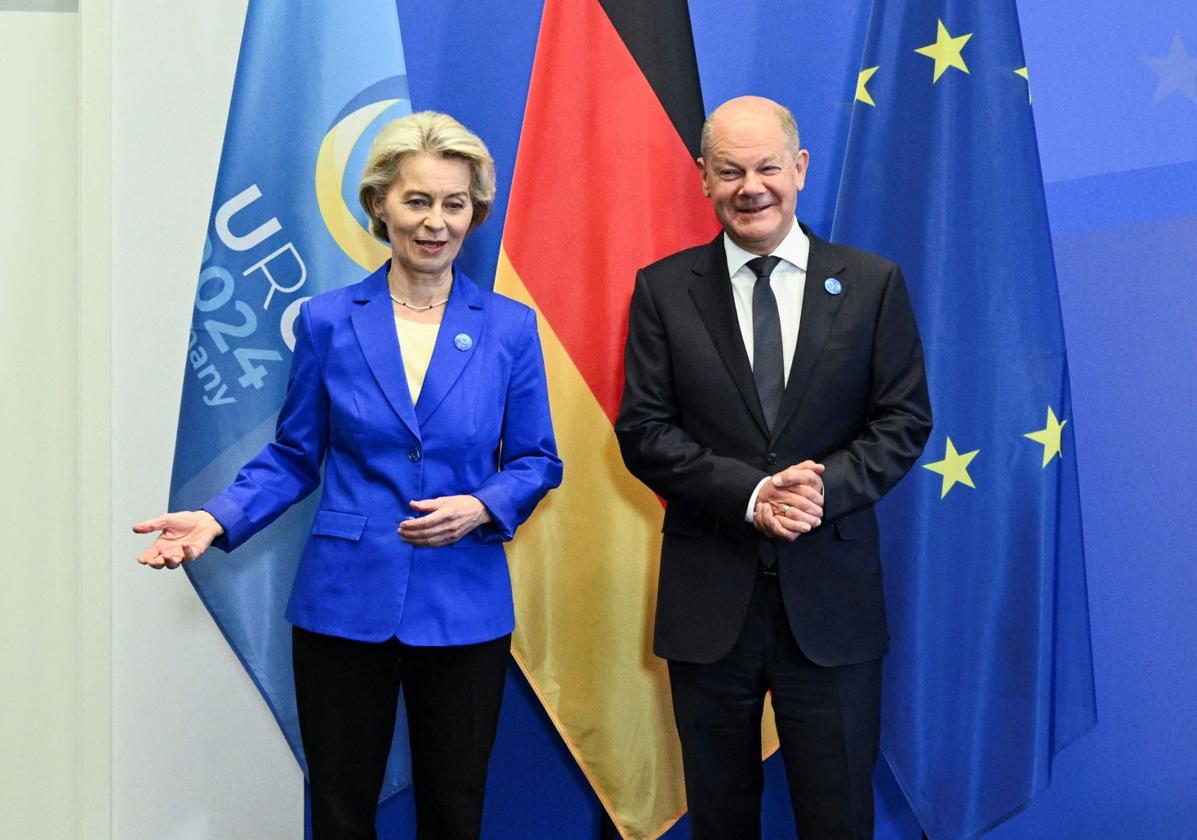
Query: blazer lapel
{"points": [[457, 341], [373, 320], [712, 294], [819, 310]]}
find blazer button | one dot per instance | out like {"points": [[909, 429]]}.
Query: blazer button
{"points": [[771, 458], [414, 455]]}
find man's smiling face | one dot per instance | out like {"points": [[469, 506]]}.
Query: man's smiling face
{"points": [[752, 175]]}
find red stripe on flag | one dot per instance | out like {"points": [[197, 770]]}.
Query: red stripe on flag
{"points": [[603, 185]]}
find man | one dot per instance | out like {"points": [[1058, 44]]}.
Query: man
{"points": [[774, 392]]}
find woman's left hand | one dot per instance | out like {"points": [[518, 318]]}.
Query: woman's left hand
{"points": [[446, 519]]}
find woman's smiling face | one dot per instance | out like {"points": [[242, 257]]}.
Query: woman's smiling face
{"points": [[427, 212]]}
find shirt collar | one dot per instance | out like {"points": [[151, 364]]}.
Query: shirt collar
{"points": [[794, 249]]}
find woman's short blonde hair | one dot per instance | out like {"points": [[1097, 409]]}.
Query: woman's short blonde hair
{"points": [[431, 133]]}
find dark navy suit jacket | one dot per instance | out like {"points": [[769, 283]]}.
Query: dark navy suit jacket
{"points": [[481, 426], [691, 427]]}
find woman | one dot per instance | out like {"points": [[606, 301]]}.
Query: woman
{"points": [[424, 399]]}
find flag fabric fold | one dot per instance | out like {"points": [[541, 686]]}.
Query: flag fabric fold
{"points": [[313, 84], [990, 672]]}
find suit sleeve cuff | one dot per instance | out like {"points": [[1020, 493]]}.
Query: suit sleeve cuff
{"points": [[231, 518], [500, 527], [756, 491]]}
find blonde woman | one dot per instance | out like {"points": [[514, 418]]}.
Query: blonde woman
{"points": [[422, 396]]}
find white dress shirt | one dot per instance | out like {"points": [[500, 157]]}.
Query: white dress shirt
{"points": [[788, 282]]}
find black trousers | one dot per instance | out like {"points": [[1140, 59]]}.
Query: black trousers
{"points": [[347, 693], [828, 722]]}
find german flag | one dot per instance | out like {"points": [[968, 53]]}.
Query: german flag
{"points": [[605, 182]]}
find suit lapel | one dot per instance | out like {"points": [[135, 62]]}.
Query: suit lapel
{"points": [[456, 343], [712, 294], [819, 310], [374, 324]]}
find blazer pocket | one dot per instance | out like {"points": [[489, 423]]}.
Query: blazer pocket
{"points": [[861, 525], [848, 345], [680, 527], [346, 526]]}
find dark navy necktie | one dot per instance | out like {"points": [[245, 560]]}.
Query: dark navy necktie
{"points": [[767, 360]]}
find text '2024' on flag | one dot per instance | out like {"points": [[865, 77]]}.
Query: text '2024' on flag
{"points": [[990, 672], [313, 84]]}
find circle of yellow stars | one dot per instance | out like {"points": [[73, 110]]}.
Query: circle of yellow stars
{"points": [[947, 51], [953, 467]]}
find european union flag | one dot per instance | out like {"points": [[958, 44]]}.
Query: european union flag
{"points": [[313, 84], [991, 669]]}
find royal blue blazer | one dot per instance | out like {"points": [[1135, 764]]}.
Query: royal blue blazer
{"points": [[481, 426]]}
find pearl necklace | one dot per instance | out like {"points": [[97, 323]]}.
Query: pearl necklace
{"points": [[416, 308]]}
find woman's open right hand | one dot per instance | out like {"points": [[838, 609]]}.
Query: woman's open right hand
{"points": [[185, 536]]}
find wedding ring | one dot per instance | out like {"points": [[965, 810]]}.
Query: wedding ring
{"points": [[785, 509]]}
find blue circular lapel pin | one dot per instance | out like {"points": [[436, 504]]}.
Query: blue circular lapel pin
{"points": [[832, 286], [462, 341]]}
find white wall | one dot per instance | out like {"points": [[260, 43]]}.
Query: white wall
{"points": [[123, 714], [38, 401], [195, 751]]}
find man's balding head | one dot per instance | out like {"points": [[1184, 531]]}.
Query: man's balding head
{"points": [[752, 107], [753, 170]]}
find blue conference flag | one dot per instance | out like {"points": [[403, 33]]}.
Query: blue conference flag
{"points": [[991, 671], [314, 82]]}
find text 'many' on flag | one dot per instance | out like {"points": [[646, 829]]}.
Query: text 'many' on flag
{"points": [[285, 225]]}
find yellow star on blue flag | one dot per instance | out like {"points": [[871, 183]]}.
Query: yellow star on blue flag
{"points": [[946, 51], [862, 92], [953, 468], [1049, 436], [1022, 71]]}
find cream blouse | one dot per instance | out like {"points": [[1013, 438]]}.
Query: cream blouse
{"points": [[416, 341]]}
